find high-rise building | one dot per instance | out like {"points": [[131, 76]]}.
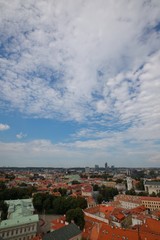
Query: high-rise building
{"points": [[96, 167], [106, 166]]}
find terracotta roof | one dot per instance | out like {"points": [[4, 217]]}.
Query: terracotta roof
{"points": [[152, 226], [138, 210], [150, 198], [108, 232]]}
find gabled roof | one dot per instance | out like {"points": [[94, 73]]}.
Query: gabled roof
{"points": [[152, 183], [64, 233]]}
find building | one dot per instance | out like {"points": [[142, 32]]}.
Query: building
{"points": [[109, 184], [106, 166], [96, 167], [151, 203], [129, 183], [129, 201], [21, 223], [87, 170], [152, 187], [69, 232], [120, 187], [87, 190], [106, 222]]}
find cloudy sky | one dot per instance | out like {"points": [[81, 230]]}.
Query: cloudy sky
{"points": [[80, 83]]}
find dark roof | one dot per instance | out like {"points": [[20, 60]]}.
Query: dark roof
{"points": [[152, 183], [64, 233]]}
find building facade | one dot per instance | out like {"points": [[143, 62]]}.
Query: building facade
{"points": [[21, 223], [152, 187]]}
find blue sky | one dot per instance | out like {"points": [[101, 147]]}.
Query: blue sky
{"points": [[80, 83]]}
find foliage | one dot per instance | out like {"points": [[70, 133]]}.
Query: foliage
{"points": [[142, 194], [9, 176], [152, 173], [131, 192], [96, 187], [153, 194], [57, 205], [23, 184], [99, 198], [108, 193], [140, 185], [16, 193], [74, 182], [158, 194], [119, 180], [77, 216], [4, 210], [2, 185], [63, 191]]}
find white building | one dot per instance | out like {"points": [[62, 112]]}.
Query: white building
{"points": [[21, 223], [152, 187], [129, 183]]}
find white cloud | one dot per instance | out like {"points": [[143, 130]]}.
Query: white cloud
{"points": [[21, 135], [95, 62], [62, 56], [4, 127], [43, 152]]}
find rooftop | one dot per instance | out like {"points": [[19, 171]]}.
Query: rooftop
{"points": [[19, 208], [19, 212], [19, 221], [64, 233], [152, 183]]}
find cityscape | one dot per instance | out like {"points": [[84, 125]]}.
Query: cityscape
{"points": [[80, 203], [80, 120]]}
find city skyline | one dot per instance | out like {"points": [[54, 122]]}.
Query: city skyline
{"points": [[79, 83]]}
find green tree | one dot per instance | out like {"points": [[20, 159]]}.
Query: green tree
{"points": [[63, 191], [108, 193], [81, 202], [95, 187], [38, 202], [4, 210], [158, 194], [131, 192], [140, 185], [153, 194], [2, 185], [142, 194], [75, 182], [99, 198], [77, 216]]}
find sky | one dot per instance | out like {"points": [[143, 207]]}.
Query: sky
{"points": [[79, 83]]}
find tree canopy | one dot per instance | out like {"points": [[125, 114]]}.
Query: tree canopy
{"points": [[57, 205], [77, 216]]}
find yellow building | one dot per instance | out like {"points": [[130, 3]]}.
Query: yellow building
{"points": [[151, 202]]}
